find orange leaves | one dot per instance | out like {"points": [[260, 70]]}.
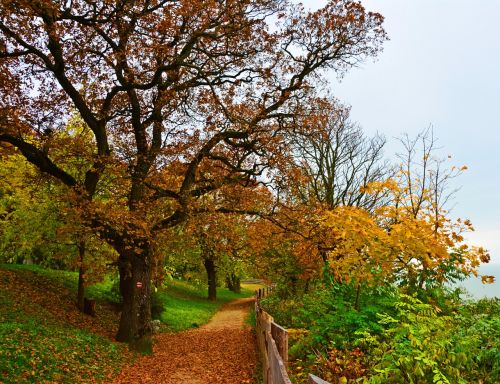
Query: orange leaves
{"points": [[389, 185], [204, 355], [341, 29], [182, 75], [487, 279]]}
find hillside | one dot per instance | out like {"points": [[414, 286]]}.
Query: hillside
{"points": [[44, 338]]}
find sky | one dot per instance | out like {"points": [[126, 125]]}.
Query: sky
{"points": [[441, 67]]}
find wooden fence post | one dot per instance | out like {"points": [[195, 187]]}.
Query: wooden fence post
{"points": [[272, 340], [280, 336]]}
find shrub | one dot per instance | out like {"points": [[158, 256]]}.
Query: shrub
{"points": [[419, 345]]}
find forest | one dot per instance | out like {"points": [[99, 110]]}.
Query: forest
{"points": [[157, 151]]}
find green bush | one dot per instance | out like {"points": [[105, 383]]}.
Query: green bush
{"points": [[430, 337], [419, 345], [479, 323], [330, 316]]}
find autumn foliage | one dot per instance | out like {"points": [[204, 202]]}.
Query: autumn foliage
{"points": [[181, 98], [202, 124]]}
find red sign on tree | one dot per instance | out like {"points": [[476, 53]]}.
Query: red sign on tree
{"points": [[138, 284]]}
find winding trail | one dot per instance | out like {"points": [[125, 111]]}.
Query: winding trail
{"points": [[220, 352]]}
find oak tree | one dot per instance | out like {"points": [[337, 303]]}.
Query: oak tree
{"points": [[182, 98]]}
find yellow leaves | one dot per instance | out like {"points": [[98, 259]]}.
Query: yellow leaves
{"points": [[484, 256], [456, 237], [355, 242], [362, 246], [463, 168], [381, 187], [468, 225]]}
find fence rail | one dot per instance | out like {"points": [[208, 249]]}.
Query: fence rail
{"points": [[272, 341], [316, 380]]}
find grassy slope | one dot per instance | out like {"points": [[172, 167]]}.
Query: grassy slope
{"points": [[43, 338]]}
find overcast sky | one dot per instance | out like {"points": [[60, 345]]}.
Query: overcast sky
{"points": [[440, 67]]}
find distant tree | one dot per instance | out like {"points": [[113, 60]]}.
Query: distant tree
{"points": [[37, 226], [331, 163], [338, 160], [182, 98], [221, 237], [29, 220]]}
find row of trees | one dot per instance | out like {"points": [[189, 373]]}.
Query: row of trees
{"points": [[199, 123]]}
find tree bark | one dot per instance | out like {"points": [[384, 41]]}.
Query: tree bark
{"points": [[81, 277], [233, 283], [356, 302], [135, 321], [212, 278]]}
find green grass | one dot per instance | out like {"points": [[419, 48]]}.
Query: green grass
{"points": [[35, 350], [64, 278], [39, 347], [251, 319], [186, 306], [102, 291]]}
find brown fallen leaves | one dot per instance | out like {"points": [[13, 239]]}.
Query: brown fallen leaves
{"points": [[44, 339], [59, 301], [223, 351]]}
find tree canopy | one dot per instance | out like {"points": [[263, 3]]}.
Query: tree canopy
{"points": [[183, 98]]}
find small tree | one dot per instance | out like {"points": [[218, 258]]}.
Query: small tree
{"points": [[421, 215]]}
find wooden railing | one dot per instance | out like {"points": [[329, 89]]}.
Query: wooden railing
{"points": [[316, 380], [272, 341]]}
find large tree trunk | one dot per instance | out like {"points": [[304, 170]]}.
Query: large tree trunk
{"points": [[81, 277], [135, 321], [212, 278]]}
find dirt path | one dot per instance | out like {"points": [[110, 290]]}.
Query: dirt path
{"points": [[222, 351]]}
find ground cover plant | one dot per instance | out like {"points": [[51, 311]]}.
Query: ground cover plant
{"points": [[44, 338], [392, 338]]}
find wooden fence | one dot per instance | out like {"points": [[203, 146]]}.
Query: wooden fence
{"points": [[316, 380], [272, 341]]}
